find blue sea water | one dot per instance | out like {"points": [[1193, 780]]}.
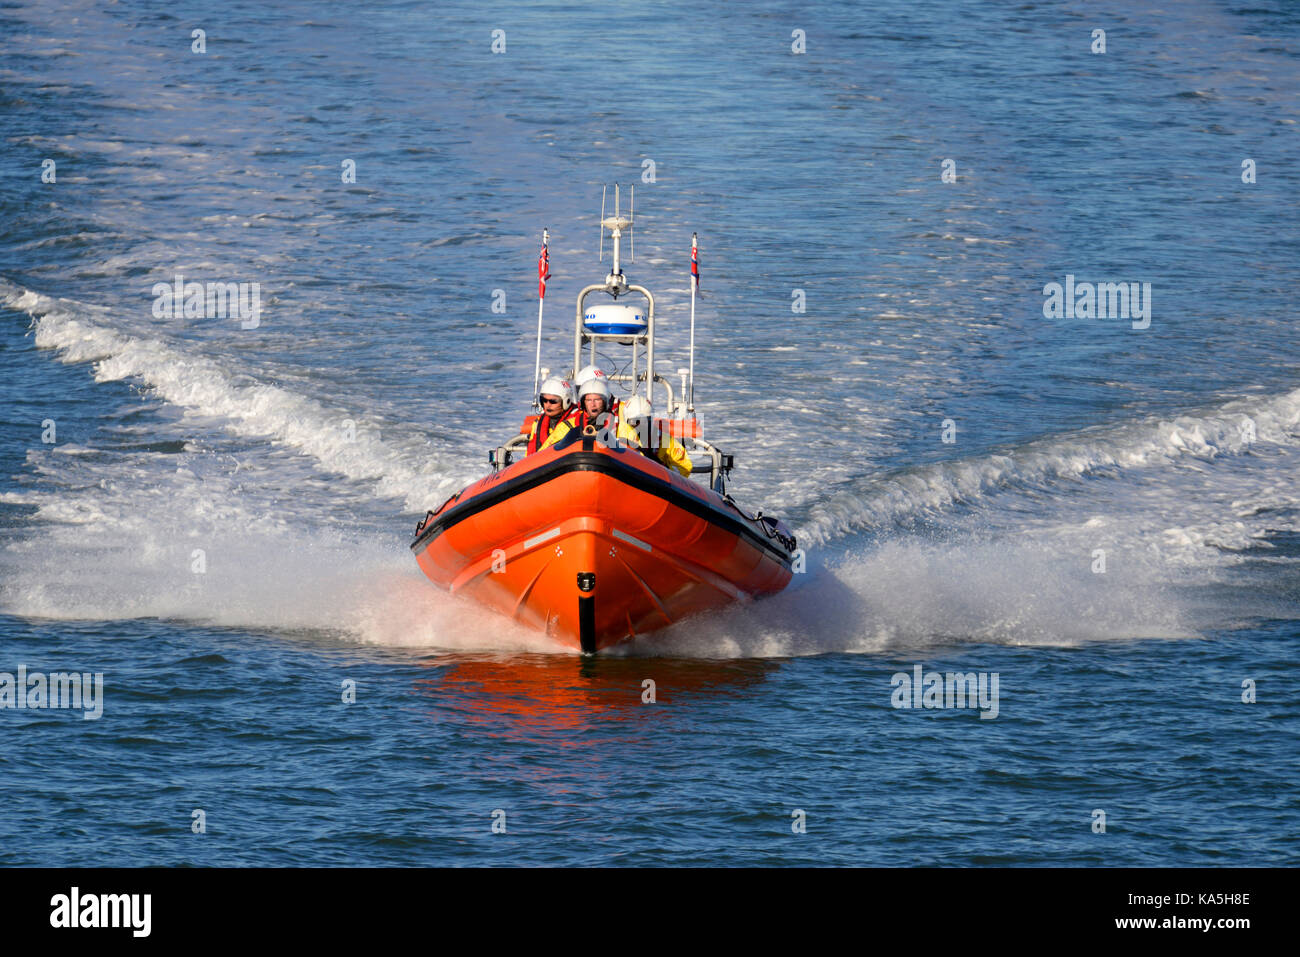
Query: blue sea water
{"points": [[1104, 515]]}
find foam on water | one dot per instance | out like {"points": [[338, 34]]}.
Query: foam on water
{"points": [[115, 534], [913, 597], [114, 551], [1232, 428], [409, 473], [187, 549]]}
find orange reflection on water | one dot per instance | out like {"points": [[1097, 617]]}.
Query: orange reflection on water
{"points": [[559, 696]]}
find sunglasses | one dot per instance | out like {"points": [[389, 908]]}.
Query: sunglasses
{"points": [[547, 400]]}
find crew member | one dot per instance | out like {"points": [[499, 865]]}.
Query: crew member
{"points": [[593, 401], [554, 423], [670, 452], [595, 372]]}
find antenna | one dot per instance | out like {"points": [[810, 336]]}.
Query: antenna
{"points": [[600, 257], [695, 281], [616, 224], [631, 230]]}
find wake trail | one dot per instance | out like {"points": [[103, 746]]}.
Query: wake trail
{"points": [[80, 333], [1231, 428]]}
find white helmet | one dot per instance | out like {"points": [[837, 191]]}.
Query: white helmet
{"points": [[594, 387], [636, 407], [557, 386], [587, 374]]}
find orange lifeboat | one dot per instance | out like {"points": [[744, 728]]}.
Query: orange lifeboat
{"points": [[594, 544], [592, 540]]}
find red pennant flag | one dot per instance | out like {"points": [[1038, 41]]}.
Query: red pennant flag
{"points": [[543, 271], [695, 266]]}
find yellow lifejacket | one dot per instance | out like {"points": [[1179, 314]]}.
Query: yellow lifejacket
{"points": [[670, 451]]}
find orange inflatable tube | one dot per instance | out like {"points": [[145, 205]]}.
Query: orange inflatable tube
{"points": [[593, 545]]}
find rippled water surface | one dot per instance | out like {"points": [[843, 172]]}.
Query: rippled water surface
{"points": [[1102, 513]]}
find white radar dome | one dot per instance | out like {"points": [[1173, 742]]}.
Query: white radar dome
{"points": [[615, 319]]}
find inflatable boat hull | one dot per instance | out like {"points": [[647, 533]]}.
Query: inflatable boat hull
{"points": [[594, 545]]}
